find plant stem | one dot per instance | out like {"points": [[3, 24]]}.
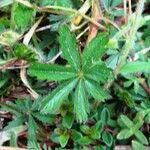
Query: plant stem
{"points": [[130, 40]]}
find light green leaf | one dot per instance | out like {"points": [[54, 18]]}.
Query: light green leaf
{"points": [[63, 139], [81, 102], [75, 135], [126, 121], [51, 72], [68, 120], [141, 137], [138, 146], [124, 134], [22, 16], [52, 102], [135, 67], [94, 51], [96, 90], [85, 140], [96, 130], [69, 47]]}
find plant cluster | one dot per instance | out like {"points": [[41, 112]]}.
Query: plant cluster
{"points": [[74, 74]]}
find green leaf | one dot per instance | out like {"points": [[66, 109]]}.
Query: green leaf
{"points": [[105, 115], [96, 90], [124, 134], [13, 139], [135, 67], [68, 120], [45, 118], [85, 140], [32, 129], [51, 72], [141, 137], [76, 136], [138, 146], [25, 52], [22, 16], [69, 47], [81, 103], [95, 131], [126, 121], [98, 72], [63, 139], [52, 102], [94, 51], [85, 129], [16, 122], [107, 138]]}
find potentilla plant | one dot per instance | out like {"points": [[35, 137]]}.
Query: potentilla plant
{"points": [[84, 75]]}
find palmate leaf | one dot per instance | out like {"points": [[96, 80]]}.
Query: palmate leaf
{"points": [[96, 90], [69, 47], [81, 102], [51, 72], [94, 51], [52, 102]]}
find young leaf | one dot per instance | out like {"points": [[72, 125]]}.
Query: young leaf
{"points": [[94, 51], [22, 16], [75, 135], [141, 137], [68, 120], [81, 102], [105, 115], [52, 102], [63, 139], [51, 72], [135, 67], [96, 90], [124, 134], [138, 146], [126, 121], [107, 138], [69, 47]]}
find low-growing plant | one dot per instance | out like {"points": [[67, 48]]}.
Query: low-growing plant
{"points": [[85, 73]]}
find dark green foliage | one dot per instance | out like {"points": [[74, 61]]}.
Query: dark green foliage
{"points": [[60, 91], [90, 58]]}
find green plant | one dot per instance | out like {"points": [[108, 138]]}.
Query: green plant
{"points": [[25, 112], [85, 73]]}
